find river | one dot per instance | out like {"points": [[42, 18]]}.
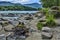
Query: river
{"points": [[18, 11]]}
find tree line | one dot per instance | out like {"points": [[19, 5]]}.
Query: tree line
{"points": [[21, 8]]}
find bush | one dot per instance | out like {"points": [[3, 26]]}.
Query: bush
{"points": [[39, 25]]}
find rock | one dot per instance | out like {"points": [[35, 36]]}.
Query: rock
{"points": [[55, 8], [28, 18], [0, 27], [9, 27], [22, 37], [14, 23], [9, 38], [46, 32], [32, 30], [2, 37]]}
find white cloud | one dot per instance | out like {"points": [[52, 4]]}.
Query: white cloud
{"points": [[22, 1]]}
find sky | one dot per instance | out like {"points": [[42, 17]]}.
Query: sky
{"points": [[23, 1]]}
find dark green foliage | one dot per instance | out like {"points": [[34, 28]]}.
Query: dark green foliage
{"points": [[45, 10], [50, 20], [50, 23], [50, 3]]}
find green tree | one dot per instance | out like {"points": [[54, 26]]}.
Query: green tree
{"points": [[50, 3]]}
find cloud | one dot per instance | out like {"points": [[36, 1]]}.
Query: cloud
{"points": [[22, 1], [5, 0]]}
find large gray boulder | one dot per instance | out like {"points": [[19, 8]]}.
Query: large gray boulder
{"points": [[46, 32]]}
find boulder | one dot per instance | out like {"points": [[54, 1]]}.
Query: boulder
{"points": [[46, 32]]}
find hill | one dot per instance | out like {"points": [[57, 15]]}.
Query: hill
{"points": [[34, 5], [12, 6]]}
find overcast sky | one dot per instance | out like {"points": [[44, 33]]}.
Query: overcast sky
{"points": [[23, 1]]}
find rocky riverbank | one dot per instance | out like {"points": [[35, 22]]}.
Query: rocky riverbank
{"points": [[30, 21]]}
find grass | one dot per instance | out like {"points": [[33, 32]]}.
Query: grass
{"points": [[50, 22]]}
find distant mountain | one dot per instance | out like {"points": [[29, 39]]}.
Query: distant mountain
{"points": [[34, 5], [5, 3], [14, 6]]}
